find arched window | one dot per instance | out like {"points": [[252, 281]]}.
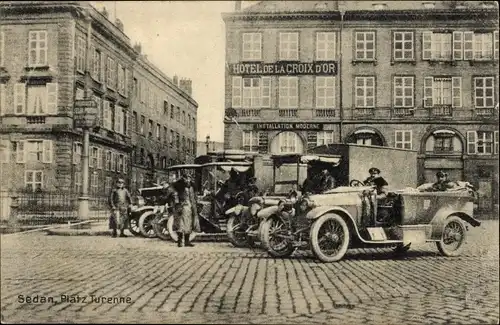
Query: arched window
{"points": [[287, 142]]}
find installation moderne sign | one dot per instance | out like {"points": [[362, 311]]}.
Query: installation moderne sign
{"points": [[288, 126], [323, 68]]}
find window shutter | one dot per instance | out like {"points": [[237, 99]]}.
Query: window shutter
{"points": [[428, 86], [471, 142], [3, 108], [5, 144], [90, 59], [312, 139], [408, 135], [458, 45], [495, 45], [495, 143], [468, 45], [456, 91], [427, 45], [127, 79], [52, 98], [266, 92], [47, 151], [19, 98], [99, 158], [263, 142], [125, 166], [102, 76], [20, 153], [236, 92]]}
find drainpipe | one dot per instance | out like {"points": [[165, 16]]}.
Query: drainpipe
{"points": [[342, 12]]}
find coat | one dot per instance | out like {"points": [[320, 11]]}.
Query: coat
{"points": [[186, 219]]}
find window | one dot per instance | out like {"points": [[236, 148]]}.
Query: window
{"points": [[143, 123], [325, 46], [403, 46], [108, 184], [96, 64], [41, 99], [288, 142], [289, 46], [107, 115], [403, 139], [80, 94], [183, 121], [365, 141], [121, 164], [158, 135], [77, 152], [442, 91], [403, 91], [172, 111], [254, 92], [165, 108], [2, 48], [119, 119], [288, 92], [324, 137], [189, 121], [443, 143], [484, 88], [250, 140], [365, 46], [114, 161], [438, 46], [483, 46], [108, 160], [94, 182], [124, 122], [150, 128], [178, 114], [33, 180], [171, 138], [93, 161], [325, 92], [165, 134], [121, 79], [78, 182], [136, 121], [34, 151], [482, 142], [38, 48], [177, 140], [2, 99], [111, 73], [252, 46], [365, 92], [4, 151], [80, 54]]}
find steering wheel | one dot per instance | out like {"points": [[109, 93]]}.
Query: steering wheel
{"points": [[356, 182]]}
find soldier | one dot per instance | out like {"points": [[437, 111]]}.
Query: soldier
{"points": [[185, 210], [326, 182], [378, 181], [443, 183], [119, 201]]}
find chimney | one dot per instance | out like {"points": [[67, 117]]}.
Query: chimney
{"points": [[119, 24], [237, 6], [176, 81], [186, 85], [138, 48]]}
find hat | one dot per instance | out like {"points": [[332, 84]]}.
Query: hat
{"points": [[441, 174], [120, 180], [374, 170], [256, 200]]}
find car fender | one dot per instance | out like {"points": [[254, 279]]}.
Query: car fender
{"points": [[267, 212], [320, 211], [139, 211], [442, 214]]}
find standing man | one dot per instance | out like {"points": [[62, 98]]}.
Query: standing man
{"points": [[185, 210], [119, 201]]}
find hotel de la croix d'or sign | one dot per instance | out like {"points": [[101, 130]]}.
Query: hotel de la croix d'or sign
{"points": [[319, 68]]}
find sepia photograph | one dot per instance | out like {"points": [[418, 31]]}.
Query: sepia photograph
{"points": [[249, 162]]}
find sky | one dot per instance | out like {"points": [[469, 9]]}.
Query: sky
{"points": [[187, 39]]}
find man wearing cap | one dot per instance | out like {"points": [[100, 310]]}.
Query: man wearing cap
{"points": [[119, 201], [326, 182], [442, 184], [185, 210], [378, 181]]}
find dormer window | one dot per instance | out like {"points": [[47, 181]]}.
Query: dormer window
{"points": [[379, 6], [429, 5]]}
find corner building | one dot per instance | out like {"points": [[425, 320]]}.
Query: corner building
{"points": [[410, 74], [54, 53]]}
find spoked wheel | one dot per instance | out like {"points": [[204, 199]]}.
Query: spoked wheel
{"points": [[133, 226], [236, 232], [453, 239], [329, 237], [273, 232], [160, 227], [172, 231], [146, 224]]}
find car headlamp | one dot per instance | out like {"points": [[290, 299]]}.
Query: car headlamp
{"points": [[140, 201], [306, 204]]}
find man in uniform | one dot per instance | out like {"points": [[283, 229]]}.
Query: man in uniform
{"points": [[185, 211], [326, 182], [119, 201], [442, 184], [378, 181]]}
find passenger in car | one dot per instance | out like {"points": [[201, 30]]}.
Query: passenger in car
{"points": [[378, 181], [326, 182], [442, 184]]}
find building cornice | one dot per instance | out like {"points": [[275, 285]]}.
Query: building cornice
{"points": [[353, 15]]}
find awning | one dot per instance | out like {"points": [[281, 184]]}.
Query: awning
{"points": [[331, 160], [364, 131], [443, 132]]}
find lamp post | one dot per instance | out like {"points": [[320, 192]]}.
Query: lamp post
{"points": [[339, 73], [207, 142]]}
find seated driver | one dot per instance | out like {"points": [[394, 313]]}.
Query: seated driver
{"points": [[378, 181], [442, 184], [249, 213]]}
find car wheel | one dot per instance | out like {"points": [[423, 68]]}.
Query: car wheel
{"points": [[172, 231], [261, 233], [329, 237], [453, 237], [133, 226], [401, 249], [160, 227], [275, 245], [235, 233], [146, 224]]}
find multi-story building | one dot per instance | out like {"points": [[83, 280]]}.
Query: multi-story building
{"points": [[406, 74], [53, 53]]}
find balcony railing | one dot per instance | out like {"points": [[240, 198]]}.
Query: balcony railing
{"points": [[363, 112], [291, 112], [487, 111], [250, 112], [403, 111], [325, 112], [441, 111], [35, 119]]}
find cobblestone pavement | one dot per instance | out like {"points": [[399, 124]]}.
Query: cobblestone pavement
{"points": [[217, 283]]}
